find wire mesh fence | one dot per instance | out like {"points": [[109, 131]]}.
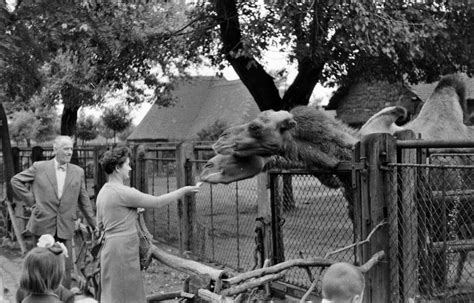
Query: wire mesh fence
{"points": [[163, 223], [432, 239], [224, 227], [314, 220]]}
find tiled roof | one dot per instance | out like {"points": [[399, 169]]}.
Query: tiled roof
{"points": [[199, 103]]}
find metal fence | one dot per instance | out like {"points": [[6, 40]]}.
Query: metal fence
{"points": [[314, 220], [224, 225], [223, 216], [432, 229], [161, 179]]}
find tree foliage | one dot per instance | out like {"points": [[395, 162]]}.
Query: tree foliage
{"points": [[87, 128], [40, 126], [123, 135], [336, 42], [22, 126], [79, 50], [116, 118], [47, 125], [75, 51], [212, 131]]}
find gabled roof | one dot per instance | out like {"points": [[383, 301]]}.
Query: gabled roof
{"points": [[199, 103]]}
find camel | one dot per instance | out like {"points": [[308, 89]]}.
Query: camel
{"points": [[227, 166], [309, 136]]}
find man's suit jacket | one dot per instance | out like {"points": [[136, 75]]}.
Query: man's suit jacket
{"points": [[37, 187]]}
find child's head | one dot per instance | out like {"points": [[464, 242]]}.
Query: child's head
{"points": [[43, 270], [343, 282]]}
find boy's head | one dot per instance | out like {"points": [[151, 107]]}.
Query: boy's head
{"points": [[343, 282]]}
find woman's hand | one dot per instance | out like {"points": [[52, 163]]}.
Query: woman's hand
{"points": [[189, 190]]}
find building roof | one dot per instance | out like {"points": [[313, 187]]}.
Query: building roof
{"points": [[199, 103]]}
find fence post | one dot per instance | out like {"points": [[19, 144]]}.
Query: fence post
{"points": [[16, 160], [186, 205], [408, 211], [378, 150], [264, 214], [99, 175], [140, 180], [36, 154]]}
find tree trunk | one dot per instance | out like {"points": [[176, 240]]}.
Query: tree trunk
{"points": [[68, 121], [7, 152], [259, 83]]}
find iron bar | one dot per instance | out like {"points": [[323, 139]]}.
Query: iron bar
{"points": [[435, 144]]}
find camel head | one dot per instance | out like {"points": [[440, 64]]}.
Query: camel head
{"points": [[263, 136], [230, 168]]}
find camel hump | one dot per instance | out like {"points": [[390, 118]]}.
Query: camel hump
{"points": [[457, 83]]}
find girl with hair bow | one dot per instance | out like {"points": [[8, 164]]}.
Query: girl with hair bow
{"points": [[43, 270]]}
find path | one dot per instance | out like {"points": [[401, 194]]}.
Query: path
{"points": [[10, 271]]}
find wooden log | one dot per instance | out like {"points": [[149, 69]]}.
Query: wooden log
{"points": [[377, 257], [209, 296], [16, 229], [252, 284], [278, 268], [187, 266], [168, 296]]}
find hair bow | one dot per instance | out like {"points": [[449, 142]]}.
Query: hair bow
{"points": [[47, 241]]}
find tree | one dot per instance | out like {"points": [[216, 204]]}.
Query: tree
{"points": [[212, 131], [87, 128], [79, 50], [22, 127], [117, 119], [105, 132], [47, 123], [123, 135], [335, 42]]}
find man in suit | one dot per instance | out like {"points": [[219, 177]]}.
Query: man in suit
{"points": [[54, 189]]}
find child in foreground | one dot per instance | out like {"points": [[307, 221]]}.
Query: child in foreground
{"points": [[343, 283], [43, 270]]}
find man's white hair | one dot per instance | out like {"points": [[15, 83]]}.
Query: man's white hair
{"points": [[59, 140]]}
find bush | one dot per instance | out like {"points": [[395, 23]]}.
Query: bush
{"points": [[213, 131]]}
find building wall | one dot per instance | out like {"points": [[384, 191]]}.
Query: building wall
{"points": [[365, 99]]}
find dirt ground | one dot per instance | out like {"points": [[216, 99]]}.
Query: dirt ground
{"points": [[158, 278]]}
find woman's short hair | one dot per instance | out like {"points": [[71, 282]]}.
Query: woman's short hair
{"points": [[42, 272], [113, 158]]}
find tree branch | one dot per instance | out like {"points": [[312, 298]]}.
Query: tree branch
{"points": [[259, 83]]}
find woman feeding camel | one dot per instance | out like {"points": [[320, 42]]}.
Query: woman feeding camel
{"points": [[117, 204]]}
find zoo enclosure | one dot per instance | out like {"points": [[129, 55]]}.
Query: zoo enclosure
{"points": [[394, 181]]}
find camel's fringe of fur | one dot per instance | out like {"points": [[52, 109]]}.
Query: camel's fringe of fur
{"points": [[456, 82], [316, 136]]}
